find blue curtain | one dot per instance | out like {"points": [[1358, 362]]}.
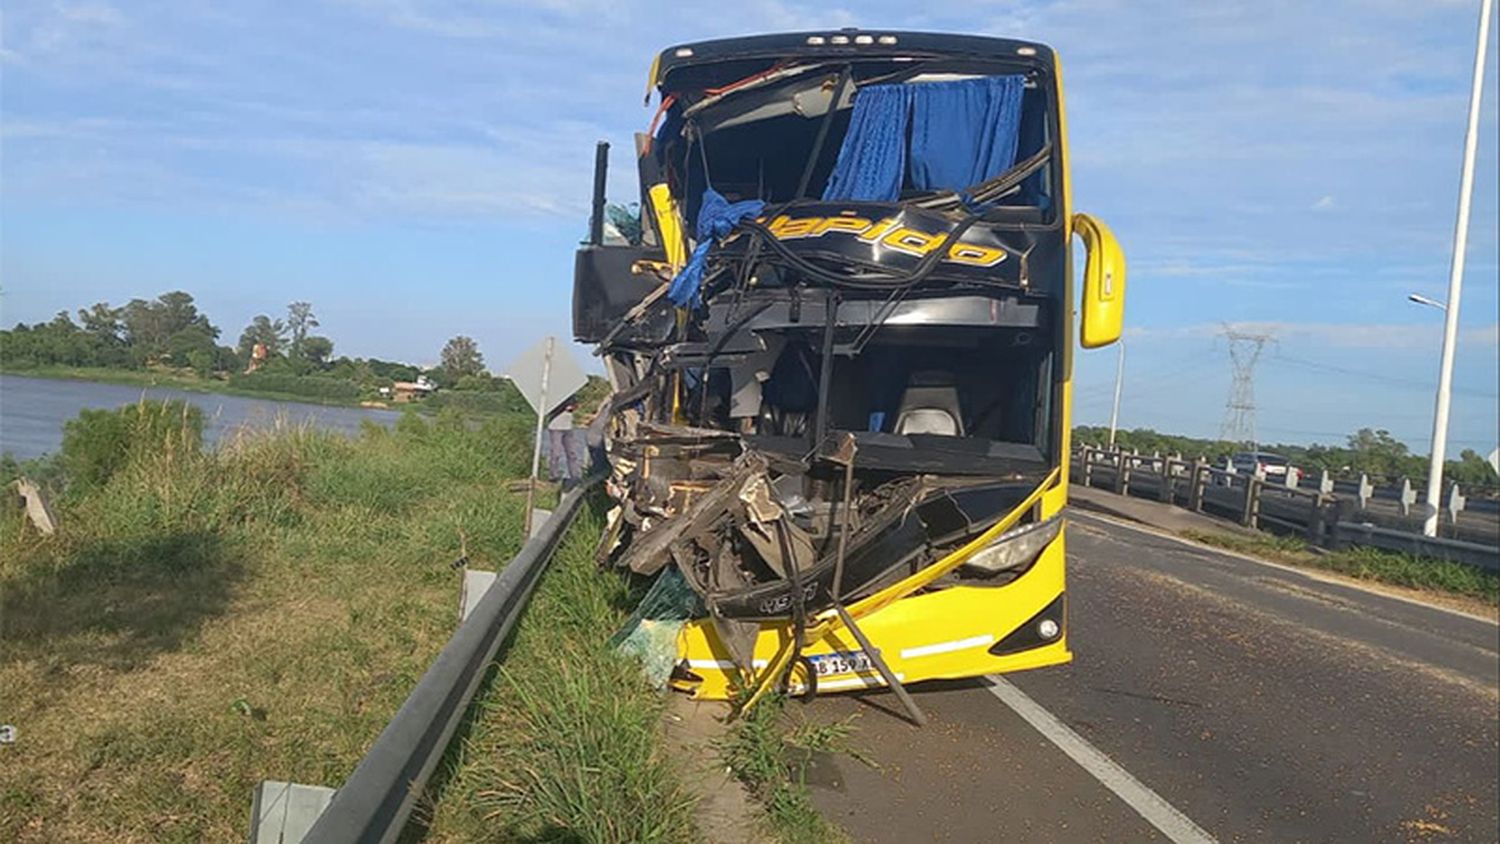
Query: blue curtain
{"points": [[872, 159], [962, 133], [717, 217]]}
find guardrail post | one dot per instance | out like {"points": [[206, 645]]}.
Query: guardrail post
{"points": [[1408, 496], [1122, 473], [1088, 464], [1195, 488], [1333, 538], [38, 508], [471, 591], [1325, 483], [1316, 519], [1250, 515], [1167, 493], [284, 812], [1366, 491], [1456, 502]]}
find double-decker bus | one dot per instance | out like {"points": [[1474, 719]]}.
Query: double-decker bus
{"points": [[839, 333]]}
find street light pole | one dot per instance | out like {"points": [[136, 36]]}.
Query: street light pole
{"points": [[1426, 300], [1456, 282], [1114, 415]]}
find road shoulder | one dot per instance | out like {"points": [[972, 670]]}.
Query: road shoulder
{"points": [[1168, 521]]}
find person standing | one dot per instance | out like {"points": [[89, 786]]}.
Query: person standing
{"points": [[562, 463], [594, 435]]}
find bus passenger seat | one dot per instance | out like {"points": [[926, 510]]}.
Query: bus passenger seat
{"points": [[930, 406]]}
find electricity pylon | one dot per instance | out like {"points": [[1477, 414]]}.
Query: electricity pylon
{"points": [[1245, 348]]}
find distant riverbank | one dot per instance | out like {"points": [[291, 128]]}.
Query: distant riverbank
{"points": [[185, 381], [34, 410]]}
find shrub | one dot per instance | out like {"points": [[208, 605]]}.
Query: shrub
{"points": [[46, 470], [98, 443], [411, 424], [505, 401], [201, 361], [308, 386]]}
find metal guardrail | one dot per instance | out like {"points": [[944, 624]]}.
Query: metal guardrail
{"points": [[1392, 493], [1324, 518], [376, 801], [1473, 553]]}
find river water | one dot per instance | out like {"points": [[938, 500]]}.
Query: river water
{"points": [[33, 410]]}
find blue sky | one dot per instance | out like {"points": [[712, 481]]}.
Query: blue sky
{"points": [[419, 170]]}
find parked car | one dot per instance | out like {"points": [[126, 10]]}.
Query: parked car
{"points": [[1273, 467]]}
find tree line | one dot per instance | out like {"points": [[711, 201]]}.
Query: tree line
{"points": [[170, 333], [1369, 451]]}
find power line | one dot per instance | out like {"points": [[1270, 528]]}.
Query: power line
{"points": [[1374, 376], [1158, 381], [1345, 436]]}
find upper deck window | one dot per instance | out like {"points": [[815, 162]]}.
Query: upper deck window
{"points": [[937, 133], [946, 136]]}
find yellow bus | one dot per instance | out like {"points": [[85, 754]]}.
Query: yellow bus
{"points": [[839, 331]]}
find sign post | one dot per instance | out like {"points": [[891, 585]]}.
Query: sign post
{"points": [[543, 375], [536, 444]]}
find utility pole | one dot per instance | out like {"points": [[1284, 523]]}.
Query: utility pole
{"points": [[1114, 415], [1456, 282], [1239, 411]]}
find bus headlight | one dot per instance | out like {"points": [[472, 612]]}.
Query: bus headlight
{"points": [[1015, 548]]}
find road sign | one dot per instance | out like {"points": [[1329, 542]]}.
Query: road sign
{"points": [[547, 376], [564, 379]]}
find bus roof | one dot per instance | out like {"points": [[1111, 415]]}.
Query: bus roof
{"points": [[847, 43]]}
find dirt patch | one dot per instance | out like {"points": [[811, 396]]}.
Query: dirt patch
{"points": [[726, 812]]}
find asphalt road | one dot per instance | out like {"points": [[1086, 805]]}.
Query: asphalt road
{"points": [[1260, 703]]}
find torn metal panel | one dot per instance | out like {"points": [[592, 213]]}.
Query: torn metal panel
{"points": [[646, 554]]}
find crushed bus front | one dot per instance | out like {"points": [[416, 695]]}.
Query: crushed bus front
{"points": [[839, 336]]}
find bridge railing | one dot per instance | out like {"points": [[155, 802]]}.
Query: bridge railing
{"points": [[1323, 515]]}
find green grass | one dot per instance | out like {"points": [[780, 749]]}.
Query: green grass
{"points": [[770, 756], [565, 744], [208, 619], [1367, 564]]}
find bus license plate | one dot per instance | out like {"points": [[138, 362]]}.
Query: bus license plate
{"points": [[841, 662]]}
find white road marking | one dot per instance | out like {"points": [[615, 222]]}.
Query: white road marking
{"points": [[1307, 573], [1176, 826], [948, 647]]}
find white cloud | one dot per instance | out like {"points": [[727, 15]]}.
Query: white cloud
{"points": [[1324, 203], [94, 13], [1184, 156], [63, 30]]}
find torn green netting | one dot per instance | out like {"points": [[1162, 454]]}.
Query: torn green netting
{"points": [[651, 631]]}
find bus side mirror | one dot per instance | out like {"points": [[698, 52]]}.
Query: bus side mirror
{"points": [[1103, 284]]}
